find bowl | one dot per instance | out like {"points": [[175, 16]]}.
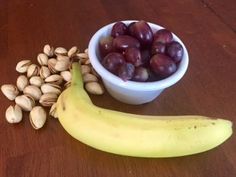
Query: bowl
{"points": [[132, 92]]}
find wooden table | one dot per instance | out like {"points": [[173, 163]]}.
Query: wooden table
{"points": [[207, 28]]}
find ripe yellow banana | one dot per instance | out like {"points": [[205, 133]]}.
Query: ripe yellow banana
{"points": [[136, 135]]}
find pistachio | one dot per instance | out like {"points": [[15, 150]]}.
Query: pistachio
{"points": [[33, 70], [94, 72], [26, 102], [48, 50], [66, 75], [82, 61], [67, 84], [94, 88], [10, 91], [22, 82], [36, 80], [87, 77], [42, 59], [85, 69], [48, 99], [51, 88], [54, 79], [62, 65], [44, 72], [13, 114], [72, 51], [62, 57], [51, 65], [22, 66], [60, 51], [87, 61], [37, 117], [33, 91], [53, 111], [82, 55]]}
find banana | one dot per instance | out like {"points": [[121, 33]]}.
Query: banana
{"points": [[136, 135]]}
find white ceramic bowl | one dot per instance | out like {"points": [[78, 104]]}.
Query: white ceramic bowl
{"points": [[132, 92]]}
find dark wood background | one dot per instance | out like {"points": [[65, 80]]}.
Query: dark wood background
{"points": [[207, 27]]}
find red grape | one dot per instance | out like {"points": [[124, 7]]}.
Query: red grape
{"points": [[123, 42], [130, 28], [175, 51], [164, 36], [140, 74], [143, 32], [126, 71], [158, 47], [105, 45], [113, 61], [133, 55], [162, 65], [145, 56], [119, 28]]}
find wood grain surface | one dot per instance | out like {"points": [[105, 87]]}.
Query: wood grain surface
{"points": [[207, 28]]}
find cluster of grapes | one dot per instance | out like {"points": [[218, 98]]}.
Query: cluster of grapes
{"points": [[135, 53]]}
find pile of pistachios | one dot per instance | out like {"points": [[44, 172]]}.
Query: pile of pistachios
{"points": [[39, 85]]}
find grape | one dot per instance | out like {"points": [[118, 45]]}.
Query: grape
{"points": [[162, 65], [123, 42], [164, 36], [119, 28], [175, 51], [130, 28], [113, 61], [133, 55], [145, 56], [140, 74], [105, 45], [126, 71], [143, 32], [158, 47]]}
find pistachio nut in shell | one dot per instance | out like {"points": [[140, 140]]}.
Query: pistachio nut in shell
{"points": [[44, 72], [62, 65], [13, 114], [62, 57], [51, 88], [22, 66], [37, 117], [51, 65], [87, 77], [85, 69], [22, 82], [53, 111], [48, 99], [67, 84], [10, 91], [54, 79], [33, 70], [36, 80], [26, 102], [66, 75], [48, 50], [82, 55], [33, 91], [73, 50], [94, 88], [60, 51], [42, 59]]}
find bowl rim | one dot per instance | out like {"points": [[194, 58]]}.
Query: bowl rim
{"points": [[133, 85]]}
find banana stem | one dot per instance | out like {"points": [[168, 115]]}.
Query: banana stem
{"points": [[76, 75]]}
